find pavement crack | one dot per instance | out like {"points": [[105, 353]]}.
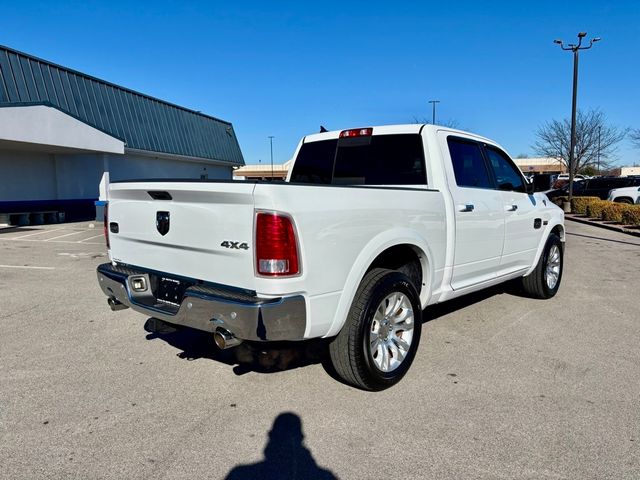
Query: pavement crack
{"points": [[12, 314]]}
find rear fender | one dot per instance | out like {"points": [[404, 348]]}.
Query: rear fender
{"points": [[369, 253]]}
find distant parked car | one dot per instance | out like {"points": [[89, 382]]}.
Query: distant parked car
{"points": [[596, 187], [625, 195], [563, 179]]}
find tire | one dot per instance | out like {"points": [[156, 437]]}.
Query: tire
{"points": [[545, 279], [625, 200], [386, 310]]}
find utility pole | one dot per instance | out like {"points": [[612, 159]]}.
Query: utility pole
{"points": [[433, 114], [271, 137], [575, 48], [599, 133]]}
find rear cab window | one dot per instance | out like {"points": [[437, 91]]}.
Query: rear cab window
{"points": [[394, 159]]}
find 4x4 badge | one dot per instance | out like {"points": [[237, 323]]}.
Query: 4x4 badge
{"points": [[162, 222]]}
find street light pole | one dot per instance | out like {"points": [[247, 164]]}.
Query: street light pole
{"points": [[575, 48], [599, 133], [433, 114], [271, 137]]}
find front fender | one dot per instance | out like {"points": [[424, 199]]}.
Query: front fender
{"points": [[553, 223]]}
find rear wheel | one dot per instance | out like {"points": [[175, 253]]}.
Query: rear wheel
{"points": [[378, 342], [544, 281]]}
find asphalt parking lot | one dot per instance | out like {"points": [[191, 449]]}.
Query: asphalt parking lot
{"points": [[502, 386]]}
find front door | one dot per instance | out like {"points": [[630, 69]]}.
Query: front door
{"points": [[523, 223]]}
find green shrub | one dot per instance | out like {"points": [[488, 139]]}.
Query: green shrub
{"points": [[579, 204], [612, 212], [631, 215], [559, 200], [594, 209]]}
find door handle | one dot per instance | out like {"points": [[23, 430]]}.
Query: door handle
{"points": [[511, 208], [467, 207]]}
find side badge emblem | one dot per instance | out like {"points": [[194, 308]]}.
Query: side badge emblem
{"points": [[162, 222]]}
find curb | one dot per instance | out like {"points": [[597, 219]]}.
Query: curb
{"points": [[614, 228]]}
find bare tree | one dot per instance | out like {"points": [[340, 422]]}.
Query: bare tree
{"points": [[635, 137], [450, 123], [596, 142]]}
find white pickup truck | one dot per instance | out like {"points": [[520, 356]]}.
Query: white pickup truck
{"points": [[628, 195], [372, 226]]}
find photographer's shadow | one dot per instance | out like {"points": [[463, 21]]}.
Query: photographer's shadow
{"points": [[285, 455]]}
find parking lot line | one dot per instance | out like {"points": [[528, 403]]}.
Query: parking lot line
{"points": [[91, 238], [37, 233], [28, 267], [65, 235]]}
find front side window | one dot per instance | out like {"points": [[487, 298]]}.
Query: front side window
{"points": [[508, 177], [468, 164]]}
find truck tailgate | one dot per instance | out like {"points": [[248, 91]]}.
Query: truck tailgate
{"points": [[205, 223]]}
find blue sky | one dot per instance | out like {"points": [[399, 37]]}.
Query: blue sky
{"points": [[284, 68]]}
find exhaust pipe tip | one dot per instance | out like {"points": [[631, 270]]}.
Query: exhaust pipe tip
{"points": [[225, 339], [115, 304]]}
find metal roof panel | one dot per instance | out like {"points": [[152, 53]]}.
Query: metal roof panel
{"points": [[143, 122]]}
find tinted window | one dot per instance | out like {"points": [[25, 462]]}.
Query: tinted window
{"points": [[384, 160], [508, 177], [376, 160], [608, 183], [314, 163], [468, 164]]}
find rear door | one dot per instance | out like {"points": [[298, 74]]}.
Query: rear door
{"points": [[479, 213]]}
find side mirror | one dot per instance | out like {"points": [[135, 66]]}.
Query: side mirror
{"points": [[531, 188], [541, 182]]}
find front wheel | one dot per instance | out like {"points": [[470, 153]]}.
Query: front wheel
{"points": [[379, 339], [544, 281]]}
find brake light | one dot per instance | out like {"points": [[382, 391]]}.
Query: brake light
{"points": [[276, 246], [356, 132], [106, 225]]}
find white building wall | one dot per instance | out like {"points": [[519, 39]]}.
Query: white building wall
{"points": [[78, 176], [41, 176], [624, 171], [27, 176], [132, 166]]}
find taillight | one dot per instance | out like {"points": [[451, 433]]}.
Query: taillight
{"points": [[356, 132], [106, 225], [276, 246]]}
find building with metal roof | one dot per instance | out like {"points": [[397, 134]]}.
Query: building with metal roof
{"points": [[263, 171], [61, 130], [540, 165]]}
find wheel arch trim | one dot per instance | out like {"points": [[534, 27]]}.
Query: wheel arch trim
{"points": [[553, 225]]}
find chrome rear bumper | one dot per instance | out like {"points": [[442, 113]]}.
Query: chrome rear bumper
{"points": [[207, 307]]}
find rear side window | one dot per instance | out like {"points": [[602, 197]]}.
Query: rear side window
{"points": [[468, 164], [375, 160]]}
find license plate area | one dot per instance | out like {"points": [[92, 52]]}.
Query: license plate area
{"points": [[171, 290]]}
